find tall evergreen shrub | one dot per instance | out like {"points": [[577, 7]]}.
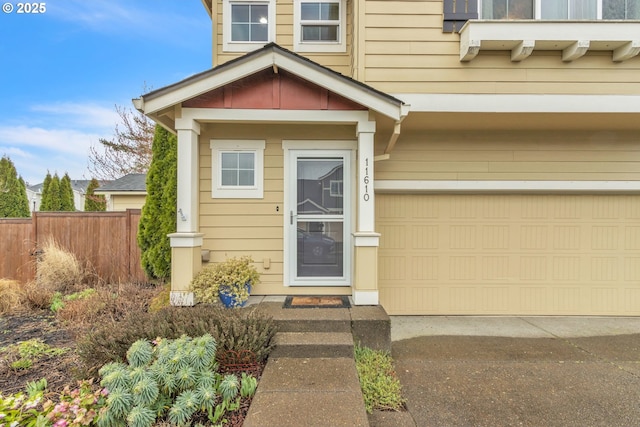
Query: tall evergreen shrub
{"points": [[94, 202], [67, 203], [13, 193], [158, 217], [45, 201]]}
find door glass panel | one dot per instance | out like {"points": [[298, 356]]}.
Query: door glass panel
{"points": [[320, 249], [318, 180], [319, 222]]}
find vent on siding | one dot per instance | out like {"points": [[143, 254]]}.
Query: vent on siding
{"points": [[457, 12]]}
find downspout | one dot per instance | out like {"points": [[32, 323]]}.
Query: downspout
{"points": [[397, 128]]}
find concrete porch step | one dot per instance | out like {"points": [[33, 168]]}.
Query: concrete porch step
{"points": [[370, 325], [308, 319], [313, 345]]}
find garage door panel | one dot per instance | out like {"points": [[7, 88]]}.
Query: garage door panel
{"points": [[510, 254]]}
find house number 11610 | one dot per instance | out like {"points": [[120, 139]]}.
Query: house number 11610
{"points": [[366, 180]]}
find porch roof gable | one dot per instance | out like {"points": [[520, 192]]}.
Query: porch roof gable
{"points": [[271, 56]]}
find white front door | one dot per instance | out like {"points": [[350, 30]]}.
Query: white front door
{"points": [[318, 225]]}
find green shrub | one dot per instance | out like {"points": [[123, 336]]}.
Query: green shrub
{"points": [[236, 330], [229, 277], [381, 388], [175, 379]]}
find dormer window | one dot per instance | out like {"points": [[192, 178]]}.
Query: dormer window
{"points": [[248, 25]]}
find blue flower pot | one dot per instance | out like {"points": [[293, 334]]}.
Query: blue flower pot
{"points": [[230, 301]]}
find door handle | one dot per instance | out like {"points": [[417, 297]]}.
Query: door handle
{"points": [[291, 215]]}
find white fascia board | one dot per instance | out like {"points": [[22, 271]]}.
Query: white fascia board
{"points": [[207, 84], [547, 30], [409, 186], [341, 87], [281, 116], [519, 103]]}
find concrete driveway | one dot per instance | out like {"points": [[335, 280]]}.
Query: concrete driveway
{"points": [[516, 371]]}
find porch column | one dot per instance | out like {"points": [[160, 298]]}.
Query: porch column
{"points": [[186, 242], [366, 240]]}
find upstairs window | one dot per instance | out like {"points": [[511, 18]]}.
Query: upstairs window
{"points": [[248, 25], [560, 9], [508, 9], [319, 26], [249, 22], [621, 9]]}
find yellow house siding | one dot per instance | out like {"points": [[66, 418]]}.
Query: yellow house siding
{"points": [[124, 202], [528, 155], [406, 51], [255, 227]]}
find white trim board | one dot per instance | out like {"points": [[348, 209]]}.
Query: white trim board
{"points": [[519, 103], [407, 186]]}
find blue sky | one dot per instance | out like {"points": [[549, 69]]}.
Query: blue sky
{"points": [[63, 72]]}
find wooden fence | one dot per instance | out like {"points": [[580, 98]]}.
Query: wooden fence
{"points": [[107, 240]]}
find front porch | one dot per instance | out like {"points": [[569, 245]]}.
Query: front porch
{"points": [[276, 161]]}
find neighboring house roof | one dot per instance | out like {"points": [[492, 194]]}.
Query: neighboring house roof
{"points": [[78, 185], [270, 56], [133, 183]]}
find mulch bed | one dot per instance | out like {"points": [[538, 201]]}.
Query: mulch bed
{"points": [[58, 370]]}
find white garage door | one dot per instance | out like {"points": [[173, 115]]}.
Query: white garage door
{"points": [[509, 254]]}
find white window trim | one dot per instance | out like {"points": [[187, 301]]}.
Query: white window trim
{"points": [[219, 146], [229, 45], [300, 46]]}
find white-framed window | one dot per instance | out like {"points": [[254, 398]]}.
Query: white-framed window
{"points": [[248, 25], [561, 9], [237, 169], [335, 188], [319, 25]]}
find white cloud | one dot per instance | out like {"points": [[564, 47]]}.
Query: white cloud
{"points": [[57, 137], [83, 115], [35, 151], [58, 140], [148, 19], [98, 14]]}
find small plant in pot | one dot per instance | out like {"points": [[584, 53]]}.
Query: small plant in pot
{"points": [[229, 281]]}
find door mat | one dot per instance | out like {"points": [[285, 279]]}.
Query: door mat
{"points": [[306, 301]]}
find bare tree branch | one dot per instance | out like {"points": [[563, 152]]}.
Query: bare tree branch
{"points": [[128, 152]]}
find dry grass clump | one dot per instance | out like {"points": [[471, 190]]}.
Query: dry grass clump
{"points": [[58, 269], [12, 296], [108, 304]]}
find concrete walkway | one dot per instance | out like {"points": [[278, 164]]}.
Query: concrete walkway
{"points": [[404, 327], [310, 378]]}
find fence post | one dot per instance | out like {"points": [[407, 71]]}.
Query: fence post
{"points": [[34, 229]]}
